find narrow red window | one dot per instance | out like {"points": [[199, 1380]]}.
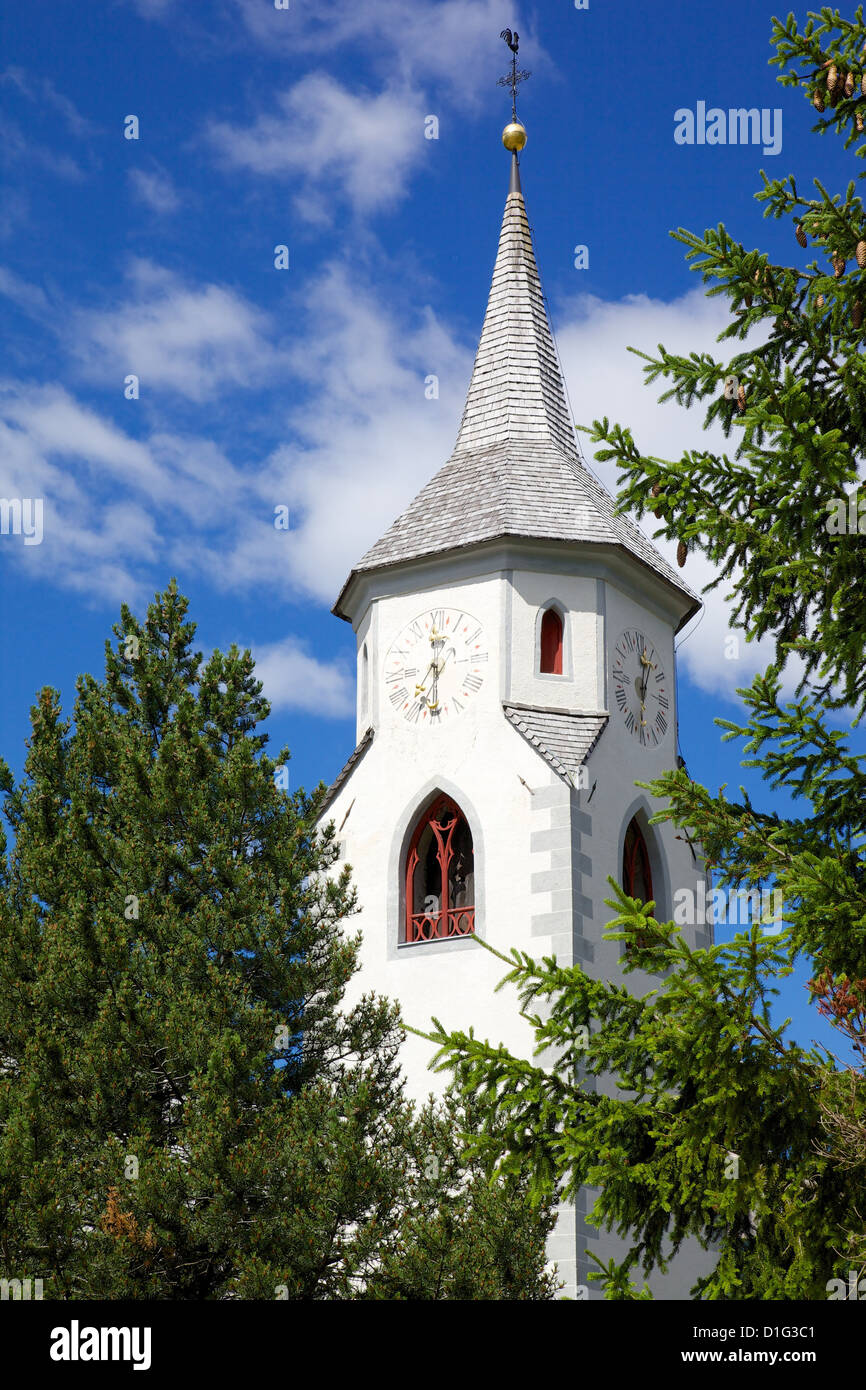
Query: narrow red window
{"points": [[440, 875], [551, 643]]}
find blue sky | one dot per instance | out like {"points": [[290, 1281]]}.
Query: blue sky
{"points": [[305, 387]]}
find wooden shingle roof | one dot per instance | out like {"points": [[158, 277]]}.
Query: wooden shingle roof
{"points": [[515, 470]]}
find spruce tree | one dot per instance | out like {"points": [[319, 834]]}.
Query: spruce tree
{"points": [[187, 1110], [723, 1128]]}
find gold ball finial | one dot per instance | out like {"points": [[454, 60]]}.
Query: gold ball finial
{"points": [[514, 136]]}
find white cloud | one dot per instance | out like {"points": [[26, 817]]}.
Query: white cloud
{"points": [[367, 439], [453, 42], [194, 340], [59, 426], [41, 91], [31, 298], [154, 188], [292, 679], [14, 211], [115, 508], [333, 142], [604, 378], [18, 148]]}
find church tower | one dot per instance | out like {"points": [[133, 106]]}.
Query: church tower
{"points": [[515, 646]]}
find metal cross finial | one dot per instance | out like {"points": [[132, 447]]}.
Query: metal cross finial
{"points": [[513, 78]]}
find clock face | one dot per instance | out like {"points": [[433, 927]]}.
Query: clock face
{"points": [[640, 687], [435, 666]]}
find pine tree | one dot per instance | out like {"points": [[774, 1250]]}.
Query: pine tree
{"points": [[724, 1129], [186, 1110]]}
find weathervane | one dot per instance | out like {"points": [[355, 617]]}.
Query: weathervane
{"points": [[513, 78], [514, 134]]}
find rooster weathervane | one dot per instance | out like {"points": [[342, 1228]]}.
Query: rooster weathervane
{"points": [[514, 77]]}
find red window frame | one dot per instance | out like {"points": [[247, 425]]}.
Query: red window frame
{"points": [[551, 643], [448, 921]]}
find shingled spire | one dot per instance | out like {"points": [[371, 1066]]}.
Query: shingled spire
{"points": [[516, 391], [515, 469]]}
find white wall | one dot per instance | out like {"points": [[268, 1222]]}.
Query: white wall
{"points": [[542, 850]]}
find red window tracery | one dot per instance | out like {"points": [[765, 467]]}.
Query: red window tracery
{"points": [[551, 643], [440, 875]]}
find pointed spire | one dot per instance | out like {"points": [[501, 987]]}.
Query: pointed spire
{"points": [[515, 470], [516, 391]]}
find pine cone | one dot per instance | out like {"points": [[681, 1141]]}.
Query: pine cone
{"points": [[863, 84], [860, 253], [801, 235], [747, 298], [741, 397], [849, 84], [656, 489], [682, 552], [818, 101], [858, 121], [857, 314], [838, 266], [832, 77], [819, 302]]}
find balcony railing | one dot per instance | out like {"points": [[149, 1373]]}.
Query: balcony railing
{"points": [[438, 926]]}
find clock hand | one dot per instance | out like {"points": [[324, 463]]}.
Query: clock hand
{"points": [[436, 640], [649, 666], [419, 689], [442, 663]]}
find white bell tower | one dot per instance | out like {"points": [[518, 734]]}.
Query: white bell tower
{"points": [[515, 678]]}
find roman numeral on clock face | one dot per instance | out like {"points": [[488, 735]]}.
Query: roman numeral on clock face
{"points": [[638, 684], [427, 681]]}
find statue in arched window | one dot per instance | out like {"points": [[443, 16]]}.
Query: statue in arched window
{"points": [[440, 875]]}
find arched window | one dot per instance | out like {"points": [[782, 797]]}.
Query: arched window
{"points": [[636, 874], [551, 643], [440, 875], [365, 680]]}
